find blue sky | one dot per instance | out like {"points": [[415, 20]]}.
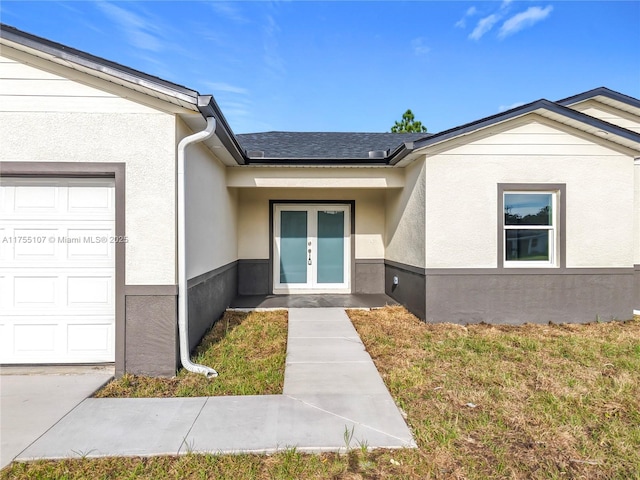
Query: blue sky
{"points": [[356, 66]]}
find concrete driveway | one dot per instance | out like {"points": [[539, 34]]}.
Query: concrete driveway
{"points": [[32, 400]]}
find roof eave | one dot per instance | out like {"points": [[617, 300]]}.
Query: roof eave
{"points": [[539, 105], [334, 162], [209, 108], [126, 76], [600, 92], [401, 152], [67, 54]]}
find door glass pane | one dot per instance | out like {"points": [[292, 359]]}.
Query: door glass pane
{"points": [[293, 247], [527, 209], [330, 268], [527, 245]]}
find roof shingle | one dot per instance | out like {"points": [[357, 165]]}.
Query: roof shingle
{"points": [[300, 145]]}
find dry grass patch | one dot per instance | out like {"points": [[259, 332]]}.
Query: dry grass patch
{"points": [[247, 349], [288, 464], [532, 401]]}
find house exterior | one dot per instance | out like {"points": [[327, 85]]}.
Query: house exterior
{"points": [[531, 215]]}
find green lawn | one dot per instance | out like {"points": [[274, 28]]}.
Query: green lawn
{"points": [[250, 348], [536, 401]]}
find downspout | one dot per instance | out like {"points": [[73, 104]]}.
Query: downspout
{"points": [[183, 310]]}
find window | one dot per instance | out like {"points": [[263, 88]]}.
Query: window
{"points": [[530, 228]]}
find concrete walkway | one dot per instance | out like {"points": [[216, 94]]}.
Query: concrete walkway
{"points": [[31, 402], [331, 386]]}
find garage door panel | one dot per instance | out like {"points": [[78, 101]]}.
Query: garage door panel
{"points": [[79, 339], [35, 338], [89, 198], [54, 247], [57, 293], [36, 199], [57, 199], [90, 244], [90, 292], [92, 338], [36, 291], [74, 291], [28, 243]]}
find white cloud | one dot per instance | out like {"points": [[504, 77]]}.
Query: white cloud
{"points": [[139, 30], [462, 23], [505, 4], [271, 55], [229, 11], [226, 87], [529, 17], [235, 101], [504, 108], [419, 47], [484, 25]]}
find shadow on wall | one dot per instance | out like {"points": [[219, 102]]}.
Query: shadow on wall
{"points": [[209, 296]]}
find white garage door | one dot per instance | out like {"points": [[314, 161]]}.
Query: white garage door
{"points": [[57, 270]]}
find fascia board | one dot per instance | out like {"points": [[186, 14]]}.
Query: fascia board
{"points": [[545, 108], [600, 92], [70, 57]]}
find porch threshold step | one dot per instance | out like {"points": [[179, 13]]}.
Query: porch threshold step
{"points": [[351, 300]]}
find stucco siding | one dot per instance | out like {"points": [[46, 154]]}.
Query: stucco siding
{"points": [[461, 196], [314, 177], [211, 224], [253, 218], [67, 128], [636, 234], [405, 218]]}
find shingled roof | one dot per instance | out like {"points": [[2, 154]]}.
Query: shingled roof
{"points": [[301, 145]]}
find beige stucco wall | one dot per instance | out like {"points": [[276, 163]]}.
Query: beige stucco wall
{"points": [[636, 234], [211, 220], [609, 114], [405, 218], [315, 177], [253, 218], [462, 199], [47, 118]]}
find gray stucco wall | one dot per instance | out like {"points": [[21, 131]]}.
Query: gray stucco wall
{"points": [[515, 297], [151, 332], [151, 312], [369, 276], [574, 295], [209, 295], [410, 290], [253, 277], [636, 305]]}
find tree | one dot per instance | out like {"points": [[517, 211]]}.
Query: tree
{"points": [[408, 124]]}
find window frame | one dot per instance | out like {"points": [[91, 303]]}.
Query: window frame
{"points": [[557, 248]]}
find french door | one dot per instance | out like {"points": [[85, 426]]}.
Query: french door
{"points": [[312, 248]]}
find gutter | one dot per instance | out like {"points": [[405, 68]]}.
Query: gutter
{"points": [[183, 307], [209, 108]]}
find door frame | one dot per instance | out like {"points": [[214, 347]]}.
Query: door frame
{"points": [[352, 215]]}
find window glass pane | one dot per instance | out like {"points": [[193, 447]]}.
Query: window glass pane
{"points": [[527, 209], [331, 247], [527, 245], [293, 247]]}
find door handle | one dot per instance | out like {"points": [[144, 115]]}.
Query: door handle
{"points": [[309, 261]]}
